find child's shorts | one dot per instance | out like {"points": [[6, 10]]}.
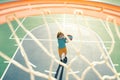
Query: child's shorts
{"points": [[61, 51]]}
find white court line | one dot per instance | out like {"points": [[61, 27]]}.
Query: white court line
{"points": [[14, 56], [9, 64], [76, 72], [47, 71], [32, 65], [72, 41], [6, 61], [11, 36], [29, 63], [116, 64], [48, 40], [106, 52], [14, 53], [62, 18]]}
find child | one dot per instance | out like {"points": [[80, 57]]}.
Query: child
{"points": [[62, 53], [62, 45]]}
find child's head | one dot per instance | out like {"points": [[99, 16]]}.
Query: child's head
{"points": [[60, 34]]}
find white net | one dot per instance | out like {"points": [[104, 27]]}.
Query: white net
{"points": [[88, 58]]}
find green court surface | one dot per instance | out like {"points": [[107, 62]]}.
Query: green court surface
{"points": [[8, 45], [106, 32]]}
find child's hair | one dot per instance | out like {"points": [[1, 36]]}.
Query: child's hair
{"points": [[59, 33]]}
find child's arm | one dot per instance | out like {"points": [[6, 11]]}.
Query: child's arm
{"points": [[66, 40]]}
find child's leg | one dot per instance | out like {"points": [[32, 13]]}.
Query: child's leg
{"points": [[63, 56], [62, 53]]}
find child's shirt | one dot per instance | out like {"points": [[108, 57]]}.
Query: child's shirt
{"points": [[61, 42]]}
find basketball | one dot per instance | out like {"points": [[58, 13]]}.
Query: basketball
{"points": [[70, 37]]}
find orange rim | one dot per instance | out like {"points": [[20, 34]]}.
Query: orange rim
{"points": [[26, 8]]}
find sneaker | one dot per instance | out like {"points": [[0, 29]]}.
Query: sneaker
{"points": [[65, 60]]}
